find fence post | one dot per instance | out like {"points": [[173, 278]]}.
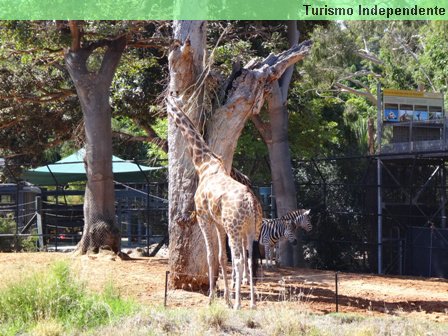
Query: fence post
{"points": [[166, 287], [336, 291], [40, 232]]}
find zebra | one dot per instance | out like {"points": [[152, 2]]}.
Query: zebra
{"points": [[300, 218], [272, 230]]}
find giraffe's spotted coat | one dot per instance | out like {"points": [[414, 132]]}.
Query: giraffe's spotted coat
{"points": [[223, 205]]}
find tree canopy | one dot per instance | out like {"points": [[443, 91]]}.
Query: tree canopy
{"points": [[331, 98]]}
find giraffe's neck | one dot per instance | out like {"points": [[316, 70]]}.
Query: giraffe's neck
{"points": [[201, 154]]}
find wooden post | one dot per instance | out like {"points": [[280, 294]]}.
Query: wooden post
{"points": [[40, 231], [166, 288], [336, 287]]}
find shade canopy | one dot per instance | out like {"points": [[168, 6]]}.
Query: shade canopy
{"points": [[71, 169]]}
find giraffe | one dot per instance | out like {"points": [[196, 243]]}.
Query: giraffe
{"points": [[222, 204]]}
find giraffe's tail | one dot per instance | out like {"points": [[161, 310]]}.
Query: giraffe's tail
{"points": [[256, 227]]}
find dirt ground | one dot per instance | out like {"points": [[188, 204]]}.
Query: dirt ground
{"points": [[143, 279]]}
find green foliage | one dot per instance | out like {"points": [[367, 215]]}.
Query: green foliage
{"points": [[226, 54], [251, 156], [37, 92], [57, 296], [7, 226], [314, 126], [138, 82], [434, 57], [29, 244]]}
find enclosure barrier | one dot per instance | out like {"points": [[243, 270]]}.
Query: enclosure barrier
{"points": [[285, 282], [47, 228]]}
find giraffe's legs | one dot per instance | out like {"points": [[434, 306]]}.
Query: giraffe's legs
{"points": [[223, 261], [245, 264], [232, 283], [235, 245], [207, 237]]}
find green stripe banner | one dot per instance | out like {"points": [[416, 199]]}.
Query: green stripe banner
{"points": [[223, 10]]}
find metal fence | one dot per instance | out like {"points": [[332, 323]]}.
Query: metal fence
{"points": [[343, 194], [45, 222]]}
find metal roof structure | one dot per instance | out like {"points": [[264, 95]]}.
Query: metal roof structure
{"points": [[71, 169]]}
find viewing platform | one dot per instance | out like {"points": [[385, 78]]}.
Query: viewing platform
{"points": [[412, 122]]}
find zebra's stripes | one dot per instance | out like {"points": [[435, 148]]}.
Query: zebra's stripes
{"points": [[272, 230], [300, 218]]}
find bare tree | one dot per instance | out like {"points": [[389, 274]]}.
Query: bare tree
{"points": [[245, 94], [186, 247]]}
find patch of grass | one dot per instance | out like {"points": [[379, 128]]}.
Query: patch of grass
{"points": [[48, 328], [359, 325], [347, 318], [54, 303], [58, 297], [284, 321], [270, 320], [214, 316]]}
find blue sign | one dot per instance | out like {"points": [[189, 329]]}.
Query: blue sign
{"points": [[391, 115]]}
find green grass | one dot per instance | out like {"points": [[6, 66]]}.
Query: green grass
{"points": [[275, 320], [56, 302]]}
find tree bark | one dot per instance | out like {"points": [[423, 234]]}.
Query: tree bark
{"points": [[275, 135], [188, 264], [93, 88], [281, 169]]}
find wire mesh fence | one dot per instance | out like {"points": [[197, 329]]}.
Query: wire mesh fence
{"points": [[342, 193], [47, 223]]}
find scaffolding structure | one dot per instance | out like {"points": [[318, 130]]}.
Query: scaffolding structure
{"points": [[411, 178], [383, 213]]}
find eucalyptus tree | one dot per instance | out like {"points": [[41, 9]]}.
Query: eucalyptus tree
{"points": [[88, 53], [35, 93], [257, 39], [93, 89], [238, 98]]}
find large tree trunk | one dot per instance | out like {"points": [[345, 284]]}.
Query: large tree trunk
{"points": [[186, 244], [100, 228], [280, 161], [275, 135], [188, 265]]}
